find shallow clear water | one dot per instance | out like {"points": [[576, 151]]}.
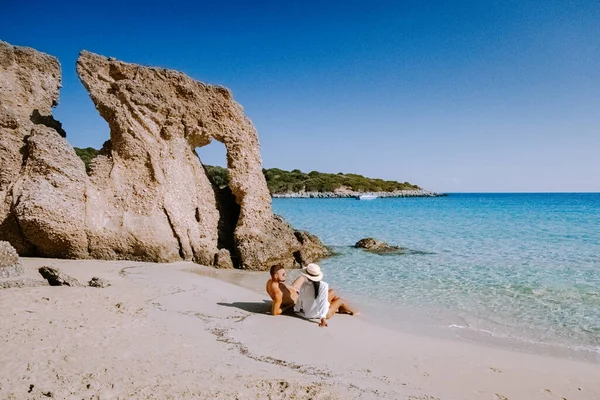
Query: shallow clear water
{"points": [[519, 266]]}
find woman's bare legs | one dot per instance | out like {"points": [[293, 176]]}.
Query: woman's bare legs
{"points": [[337, 304], [332, 295]]}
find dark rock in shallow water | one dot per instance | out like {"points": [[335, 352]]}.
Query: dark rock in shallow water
{"points": [[57, 278], [375, 245], [383, 249]]}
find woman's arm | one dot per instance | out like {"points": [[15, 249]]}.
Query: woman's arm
{"points": [[298, 283]]}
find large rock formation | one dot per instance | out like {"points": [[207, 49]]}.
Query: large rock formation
{"points": [[29, 85], [148, 196]]}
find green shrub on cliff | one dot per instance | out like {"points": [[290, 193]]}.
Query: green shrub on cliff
{"points": [[280, 181], [86, 155]]}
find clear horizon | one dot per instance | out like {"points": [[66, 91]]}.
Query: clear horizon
{"points": [[468, 97]]}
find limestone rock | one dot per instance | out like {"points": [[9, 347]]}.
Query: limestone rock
{"points": [[29, 85], [157, 118], [50, 209], [223, 259], [98, 282], [375, 245], [57, 278], [311, 248], [10, 265], [147, 196]]}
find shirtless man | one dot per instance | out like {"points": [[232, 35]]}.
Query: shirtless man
{"points": [[284, 297]]}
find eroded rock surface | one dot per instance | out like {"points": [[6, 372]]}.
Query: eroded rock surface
{"points": [[98, 282], [311, 249], [21, 283], [10, 264], [29, 87], [223, 259], [147, 196]]}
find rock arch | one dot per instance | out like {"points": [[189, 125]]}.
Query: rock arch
{"points": [[147, 196]]}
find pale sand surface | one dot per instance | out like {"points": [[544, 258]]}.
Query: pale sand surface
{"points": [[162, 331]]}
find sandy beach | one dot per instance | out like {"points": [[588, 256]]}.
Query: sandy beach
{"points": [[182, 331]]}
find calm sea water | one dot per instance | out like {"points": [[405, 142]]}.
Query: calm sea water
{"points": [[524, 267]]}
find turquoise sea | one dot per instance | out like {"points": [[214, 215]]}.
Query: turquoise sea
{"points": [[519, 268]]}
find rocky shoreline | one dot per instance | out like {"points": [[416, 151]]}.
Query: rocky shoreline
{"points": [[352, 194]]}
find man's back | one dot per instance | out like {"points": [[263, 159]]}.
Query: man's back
{"points": [[278, 291]]}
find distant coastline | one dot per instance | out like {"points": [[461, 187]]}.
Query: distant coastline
{"points": [[353, 194], [297, 184]]}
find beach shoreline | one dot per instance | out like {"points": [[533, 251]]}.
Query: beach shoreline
{"points": [[411, 320], [166, 331], [515, 269]]}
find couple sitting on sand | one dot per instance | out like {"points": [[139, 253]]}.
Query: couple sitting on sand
{"points": [[309, 296]]}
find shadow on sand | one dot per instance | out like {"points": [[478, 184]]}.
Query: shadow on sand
{"points": [[263, 307]]}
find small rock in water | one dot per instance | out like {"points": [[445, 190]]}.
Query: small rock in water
{"points": [[374, 245], [98, 282], [57, 278], [379, 247]]}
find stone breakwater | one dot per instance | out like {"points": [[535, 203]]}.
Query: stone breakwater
{"points": [[341, 195]]}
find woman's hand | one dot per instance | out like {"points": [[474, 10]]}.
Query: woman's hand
{"points": [[322, 323]]}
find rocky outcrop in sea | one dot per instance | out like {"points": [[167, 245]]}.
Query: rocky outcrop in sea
{"points": [[147, 196]]}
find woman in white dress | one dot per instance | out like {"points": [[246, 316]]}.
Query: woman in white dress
{"points": [[315, 300]]}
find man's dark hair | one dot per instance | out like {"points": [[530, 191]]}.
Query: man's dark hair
{"points": [[275, 268]]}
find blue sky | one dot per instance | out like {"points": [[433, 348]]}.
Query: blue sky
{"points": [[453, 96]]}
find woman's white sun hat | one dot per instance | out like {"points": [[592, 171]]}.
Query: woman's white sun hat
{"points": [[312, 272]]}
